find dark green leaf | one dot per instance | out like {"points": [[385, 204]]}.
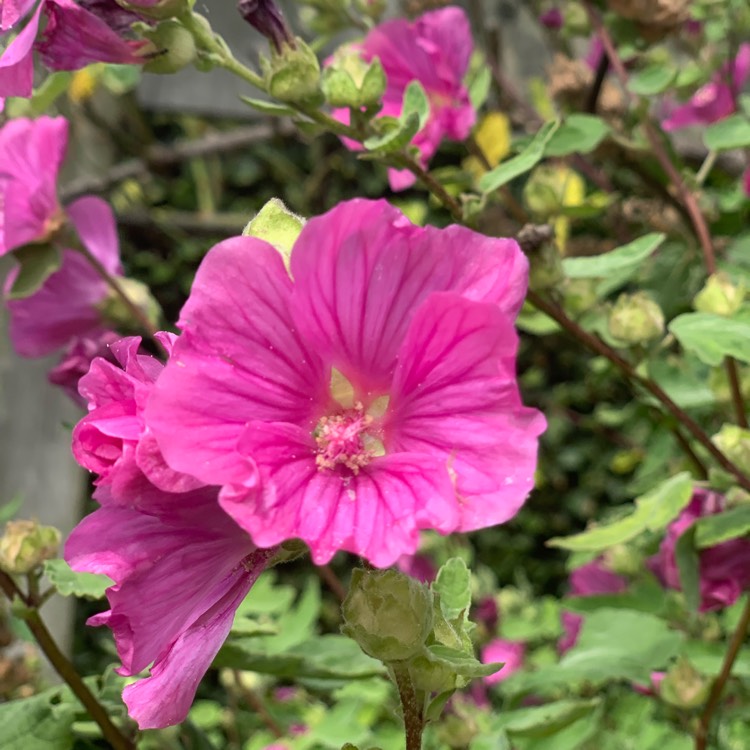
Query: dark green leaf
{"points": [[36, 724]]}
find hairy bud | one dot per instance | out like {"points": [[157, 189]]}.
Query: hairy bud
{"points": [[26, 545], [719, 296], [636, 319]]}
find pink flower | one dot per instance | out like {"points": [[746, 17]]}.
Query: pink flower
{"points": [[552, 19], [511, 653], [724, 569], [369, 396], [591, 579], [72, 38], [12, 10], [715, 100], [179, 575], [746, 182], [31, 152], [417, 566], [434, 50], [112, 440], [67, 304], [76, 361]]}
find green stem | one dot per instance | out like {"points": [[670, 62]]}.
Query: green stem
{"points": [[411, 706], [714, 698], [65, 668]]}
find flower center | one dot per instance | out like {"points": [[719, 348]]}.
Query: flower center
{"points": [[342, 441]]}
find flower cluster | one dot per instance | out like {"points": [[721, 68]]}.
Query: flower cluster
{"points": [[65, 312]]}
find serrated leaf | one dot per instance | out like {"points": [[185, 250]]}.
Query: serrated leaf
{"points": [[453, 583], [731, 132], [269, 108], [518, 165], [652, 80], [732, 523], [712, 337], [620, 260], [69, 583], [36, 724], [652, 511], [688, 565], [37, 263], [578, 134]]}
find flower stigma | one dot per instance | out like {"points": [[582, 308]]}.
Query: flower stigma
{"points": [[343, 441]]}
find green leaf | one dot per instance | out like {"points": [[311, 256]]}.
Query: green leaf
{"points": [[652, 79], [479, 87], [437, 704], [453, 583], [579, 134], [36, 724], [415, 102], [731, 132], [618, 644], [688, 565], [463, 664], [732, 523], [518, 165], [543, 721], [398, 133], [652, 511], [69, 583], [712, 337], [626, 258], [9, 509], [269, 108], [38, 262]]}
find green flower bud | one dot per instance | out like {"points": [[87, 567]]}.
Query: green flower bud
{"points": [[292, 75], [579, 295], [636, 318], [173, 48], [115, 311], [719, 296], [545, 267], [576, 20], [350, 81], [433, 676], [683, 686], [277, 225], [734, 442], [26, 545], [388, 614]]}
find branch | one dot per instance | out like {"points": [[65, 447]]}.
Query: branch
{"points": [[65, 668]]}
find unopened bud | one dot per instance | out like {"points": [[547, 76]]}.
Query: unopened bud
{"points": [[636, 318], [350, 81], [388, 614], [278, 226], [719, 295], [293, 73], [545, 267], [158, 9], [580, 295], [173, 48], [116, 312], [26, 545], [683, 686], [734, 443], [266, 17]]}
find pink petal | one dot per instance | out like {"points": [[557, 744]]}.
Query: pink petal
{"points": [[30, 155], [17, 63], [13, 10], [511, 653], [741, 67], [239, 359], [74, 37], [455, 397], [362, 269], [65, 307], [95, 224], [376, 514]]}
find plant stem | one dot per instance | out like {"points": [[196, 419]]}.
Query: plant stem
{"points": [[64, 668], [686, 196], [256, 703], [408, 162], [598, 346], [411, 707], [714, 698], [329, 577]]}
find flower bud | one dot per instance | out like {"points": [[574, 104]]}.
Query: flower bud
{"points": [[266, 17], [734, 442], [683, 686], [26, 545], [636, 318], [350, 81], [278, 226], [388, 614], [545, 267], [118, 314], [719, 295], [371, 8], [292, 74], [580, 295], [173, 48]]}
